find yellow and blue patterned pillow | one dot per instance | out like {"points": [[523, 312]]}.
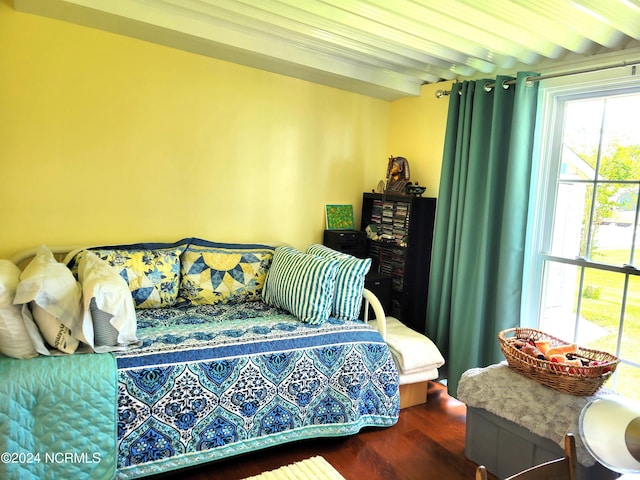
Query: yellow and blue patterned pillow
{"points": [[153, 275], [223, 273]]}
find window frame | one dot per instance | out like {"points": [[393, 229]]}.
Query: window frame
{"points": [[553, 95]]}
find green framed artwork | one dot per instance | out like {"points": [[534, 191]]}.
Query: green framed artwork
{"points": [[339, 217]]}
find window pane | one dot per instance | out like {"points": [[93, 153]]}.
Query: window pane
{"points": [[581, 137], [600, 309], [620, 149], [630, 349], [613, 224], [559, 299], [600, 302], [625, 381], [574, 167], [573, 206]]}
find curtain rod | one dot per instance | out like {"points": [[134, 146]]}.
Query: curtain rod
{"points": [[530, 80]]}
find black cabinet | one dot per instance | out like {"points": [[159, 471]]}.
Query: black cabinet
{"points": [[401, 247], [353, 242]]}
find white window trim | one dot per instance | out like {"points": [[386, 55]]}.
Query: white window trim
{"points": [[551, 92]]}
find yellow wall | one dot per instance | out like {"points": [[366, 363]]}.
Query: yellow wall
{"points": [[109, 139], [416, 132]]}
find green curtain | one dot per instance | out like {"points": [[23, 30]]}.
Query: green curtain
{"points": [[478, 247]]}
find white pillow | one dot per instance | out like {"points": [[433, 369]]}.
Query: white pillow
{"points": [[54, 296], [56, 333], [14, 338], [107, 304]]}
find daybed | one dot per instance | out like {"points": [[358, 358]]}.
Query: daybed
{"points": [[233, 348]]}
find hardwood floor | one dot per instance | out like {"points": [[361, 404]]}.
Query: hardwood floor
{"points": [[427, 443]]}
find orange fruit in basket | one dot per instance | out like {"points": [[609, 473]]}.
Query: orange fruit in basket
{"points": [[543, 345], [562, 349]]}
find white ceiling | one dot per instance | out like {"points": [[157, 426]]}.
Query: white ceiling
{"points": [[382, 48]]}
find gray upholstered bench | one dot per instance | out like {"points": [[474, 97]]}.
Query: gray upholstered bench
{"points": [[514, 423]]}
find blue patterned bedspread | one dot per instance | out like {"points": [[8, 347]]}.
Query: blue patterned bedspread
{"points": [[201, 389]]}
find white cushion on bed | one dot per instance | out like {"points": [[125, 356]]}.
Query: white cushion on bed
{"points": [[349, 281], [112, 303], [52, 288], [14, 338], [301, 284]]}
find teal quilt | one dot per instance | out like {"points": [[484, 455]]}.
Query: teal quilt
{"points": [[57, 417]]}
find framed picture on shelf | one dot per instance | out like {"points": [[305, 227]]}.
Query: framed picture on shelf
{"points": [[339, 217]]}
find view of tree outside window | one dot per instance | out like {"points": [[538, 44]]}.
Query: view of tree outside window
{"points": [[589, 257]]}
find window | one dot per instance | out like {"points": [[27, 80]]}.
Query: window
{"points": [[584, 253]]}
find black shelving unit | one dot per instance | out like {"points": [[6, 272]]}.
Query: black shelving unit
{"points": [[353, 242], [405, 225]]}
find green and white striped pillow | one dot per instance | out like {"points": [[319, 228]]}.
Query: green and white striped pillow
{"points": [[301, 284], [349, 281]]}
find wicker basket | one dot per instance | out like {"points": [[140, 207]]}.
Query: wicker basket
{"points": [[576, 380]]}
